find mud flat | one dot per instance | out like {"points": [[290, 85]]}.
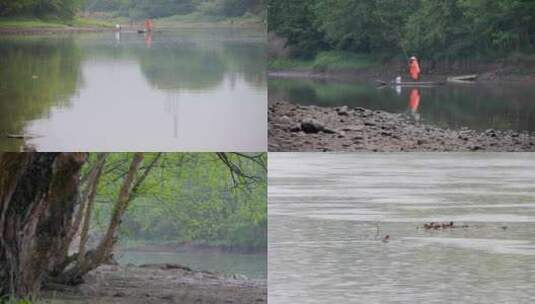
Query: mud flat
{"points": [[312, 128], [160, 283]]}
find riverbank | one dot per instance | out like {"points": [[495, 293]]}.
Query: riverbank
{"points": [[351, 66], [191, 247], [312, 128], [28, 26], [198, 20], [159, 283], [24, 26]]}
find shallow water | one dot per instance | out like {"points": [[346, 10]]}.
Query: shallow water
{"points": [[329, 212], [505, 106], [254, 266], [195, 90]]}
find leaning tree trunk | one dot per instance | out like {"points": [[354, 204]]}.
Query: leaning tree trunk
{"points": [[87, 261], [38, 195]]}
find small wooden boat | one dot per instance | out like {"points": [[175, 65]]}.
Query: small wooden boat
{"points": [[463, 78], [410, 83]]}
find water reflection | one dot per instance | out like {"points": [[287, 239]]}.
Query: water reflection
{"points": [[124, 91], [254, 266], [480, 106], [414, 103], [329, 212], [35, 76], [148, 39]]}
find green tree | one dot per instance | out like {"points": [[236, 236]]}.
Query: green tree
{"points": [[296, 21], [65, 9], [430, 28], [47, 199]]}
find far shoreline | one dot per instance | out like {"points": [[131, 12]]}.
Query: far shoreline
{"points": [[193, 247], [489, 74], [35, 26]]}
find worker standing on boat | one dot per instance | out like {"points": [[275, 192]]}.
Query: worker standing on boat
{"points": [[414, 68], [148, 25]]}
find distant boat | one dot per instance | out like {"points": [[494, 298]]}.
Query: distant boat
{"points": [[410, 83], [463, 78]]}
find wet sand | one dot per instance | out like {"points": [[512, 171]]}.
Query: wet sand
{"points": [[160, 284], [312, 128]]}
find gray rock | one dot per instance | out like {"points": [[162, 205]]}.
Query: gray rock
{"points": [[343, 111], [285, 120], [295, 128], [312, 126]]}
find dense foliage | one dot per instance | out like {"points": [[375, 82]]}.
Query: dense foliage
{"points": [[426, 27], [64, 9], [163, 8], [48, 203], [190, 197]]}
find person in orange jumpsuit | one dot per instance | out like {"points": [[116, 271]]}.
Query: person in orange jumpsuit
{"points": [[414, 68], [148, 25]]}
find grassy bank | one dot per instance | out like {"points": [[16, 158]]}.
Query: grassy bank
{"points": [[193, 20], [516, 66], [35, 23], [201, 20], [325, 61]]}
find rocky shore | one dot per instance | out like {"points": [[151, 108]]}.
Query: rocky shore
{"points": [[312, 128], [159, 283]]}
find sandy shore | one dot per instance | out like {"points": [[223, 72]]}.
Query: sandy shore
{"points": [[162, 283], [312, 128]]}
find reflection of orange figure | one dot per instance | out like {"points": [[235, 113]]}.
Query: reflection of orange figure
{"points": [[148, 40], [414, 100], [414, 68], [148, 25]]}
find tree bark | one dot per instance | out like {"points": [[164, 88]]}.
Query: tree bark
{"points": [[38, 194], [94, 258]]}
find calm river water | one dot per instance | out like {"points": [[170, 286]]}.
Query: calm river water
{"points": [[192, 90], [254, 266], [505, 106], [329, 212]]}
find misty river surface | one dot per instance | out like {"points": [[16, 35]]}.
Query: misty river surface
{"points": [[254, 266], [328, 214], [195, 90], [503, 106]]}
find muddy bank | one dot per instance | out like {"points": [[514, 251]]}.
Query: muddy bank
{"points": [[312, 128], [164, 283]]}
